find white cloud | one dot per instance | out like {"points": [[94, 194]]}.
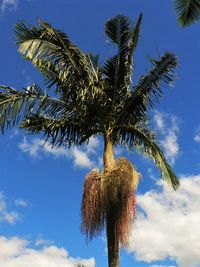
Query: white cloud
{"points": [[92, 145], [168, 225], [167, 125], [170, 145], [197, 138], [7, 215], [158, 118], [37, 148], [31, 148], [197, 135], [43, 242], [81, 159], [8, 4], [21, 203], [55, 151], [16, 252]]}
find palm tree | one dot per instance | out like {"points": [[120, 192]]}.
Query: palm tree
{"points": [[188, 11], [90, 99]]}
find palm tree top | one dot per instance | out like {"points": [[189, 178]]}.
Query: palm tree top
{"points": [[89, 98]]}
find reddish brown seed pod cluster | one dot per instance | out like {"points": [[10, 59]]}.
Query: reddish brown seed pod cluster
{"points": [[110, 193]]}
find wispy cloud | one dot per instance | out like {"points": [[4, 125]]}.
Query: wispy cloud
{"points": [[197, 135], [197, 138], [8, 4], [43, 242], [168, 224], [27, 78], [167, 126], [15, 252], [21, 203], [81, 157], [6, 214]]}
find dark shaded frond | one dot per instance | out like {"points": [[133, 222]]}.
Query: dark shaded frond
{"points": [[148, 90], [119, 30], [188, 11], [144, 140], [16, 105], [58, 132], [118, 69]]}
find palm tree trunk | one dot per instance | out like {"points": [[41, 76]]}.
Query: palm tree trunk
{"points": [[108, 156], [112, 242]]}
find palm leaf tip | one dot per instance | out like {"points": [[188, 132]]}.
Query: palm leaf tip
{"points": [[120, 29], [164, 68], [188, 11], [117, 28]]}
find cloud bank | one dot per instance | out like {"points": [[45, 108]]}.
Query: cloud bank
{"points": [[168, 225], [16, 252], [81, 157]]}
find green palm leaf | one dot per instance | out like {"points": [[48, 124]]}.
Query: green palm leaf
{"points": [[118, 69], [144, 140], [66, 130], [16, 105], [46, 46], [188, 11], [148, 90], [58, 132]]}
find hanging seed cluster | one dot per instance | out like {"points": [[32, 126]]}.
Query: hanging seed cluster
{"points": [[110, 195]]}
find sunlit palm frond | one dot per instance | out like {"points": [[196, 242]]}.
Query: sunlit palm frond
{"points": [[46, 44], [16, 105], [67, 88], [53, 75], [188, 11]]}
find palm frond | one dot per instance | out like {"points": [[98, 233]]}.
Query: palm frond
{"points": [[118, 69], [58, 132], [144, 140], [148, 90], [16, 105], [46, 44], [118, 30], [54, 75], [188, 11]]}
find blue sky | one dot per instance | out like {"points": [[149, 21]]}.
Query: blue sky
{"points": [[41, 187]]}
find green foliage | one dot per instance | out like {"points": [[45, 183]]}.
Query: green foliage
{"points": [[89, 98], [188, 11]]}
